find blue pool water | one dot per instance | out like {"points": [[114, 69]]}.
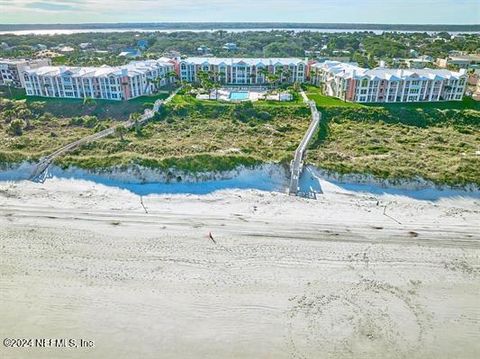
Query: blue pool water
{"points": [[239, 96]]}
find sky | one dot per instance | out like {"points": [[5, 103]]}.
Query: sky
{"points": [[320, 11]]}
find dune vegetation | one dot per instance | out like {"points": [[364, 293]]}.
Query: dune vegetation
{"points": [[439, 143]]}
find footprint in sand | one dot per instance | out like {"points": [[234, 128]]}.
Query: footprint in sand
{"points": [[370, 318]]}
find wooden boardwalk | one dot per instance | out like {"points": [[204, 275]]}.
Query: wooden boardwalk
{"points": [[40, 171], [296, 166]]}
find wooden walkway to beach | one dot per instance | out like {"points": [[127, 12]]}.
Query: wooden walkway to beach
{"points": [[296, 166], [40, 171]]}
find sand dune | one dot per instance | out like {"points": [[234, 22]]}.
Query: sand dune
{"points": [[351, 275]]}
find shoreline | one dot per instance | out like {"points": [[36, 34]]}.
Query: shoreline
{"points": [[266, 177]]}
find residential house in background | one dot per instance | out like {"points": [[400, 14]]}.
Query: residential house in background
{"points": [[350, 82], [230, 46], [468, 61], [243, 71], [109, 83], [42, 54], [204, 50], [420, 62], [11, 70], [85, 45], [130, 53], [65, 49]]}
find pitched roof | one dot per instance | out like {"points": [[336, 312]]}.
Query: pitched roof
{"points": [[246, 60], [353, 71], [132, 69]]}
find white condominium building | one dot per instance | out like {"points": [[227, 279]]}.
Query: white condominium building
{"points": [[352, 83], [108, 83], [243, 71], [11, 70]]}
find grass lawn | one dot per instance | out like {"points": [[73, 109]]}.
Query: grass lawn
{"points": [[323, 101], [466, 104], [314, 93], [185, 99]]}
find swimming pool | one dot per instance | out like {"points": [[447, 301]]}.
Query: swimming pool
{"points": [[239, 96]]}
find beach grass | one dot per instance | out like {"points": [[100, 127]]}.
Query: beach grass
{"points": [[389, 142], [439, 146]]}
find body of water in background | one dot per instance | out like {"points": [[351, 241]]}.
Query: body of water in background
{"points": [[77, 31]]}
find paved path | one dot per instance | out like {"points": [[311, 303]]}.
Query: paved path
{"points": [[296, 166], [40, 171]]}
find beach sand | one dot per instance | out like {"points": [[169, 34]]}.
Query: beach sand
{"points": [[350, 275]]}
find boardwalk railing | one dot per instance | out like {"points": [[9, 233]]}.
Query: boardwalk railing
{"points": [[40, 171], [296, 166]]}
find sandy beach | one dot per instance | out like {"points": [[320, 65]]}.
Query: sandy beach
{"points": [[349, 275]]}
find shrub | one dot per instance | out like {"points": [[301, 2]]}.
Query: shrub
{"points": [[16, 127]]}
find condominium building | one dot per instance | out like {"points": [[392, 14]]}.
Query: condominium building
{"points": [[350, 82], [243, 71], [108, 83], [11, 70]]}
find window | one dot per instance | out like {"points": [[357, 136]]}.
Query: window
{"points": [[364, 83]]}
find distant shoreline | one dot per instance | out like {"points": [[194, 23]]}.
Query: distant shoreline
{"points": [[243, 25]]}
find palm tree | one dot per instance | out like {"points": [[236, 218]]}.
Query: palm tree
{"points": [[264, 73], [289, 75], [280, 73], [89, 101], [272, 78], [156, 82], [204, 79], [172, 75], [222, 76], [312, 75], [216, 85], [9, 86]]}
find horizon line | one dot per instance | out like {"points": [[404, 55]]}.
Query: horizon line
{"points": [[241, 22]]}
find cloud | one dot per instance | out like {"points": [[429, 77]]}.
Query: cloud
{"points": [[359, 11], [51, 6]]}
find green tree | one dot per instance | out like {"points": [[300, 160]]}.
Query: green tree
{"points": [[120, 132], [16, 127]]}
